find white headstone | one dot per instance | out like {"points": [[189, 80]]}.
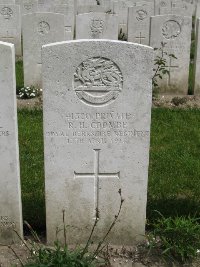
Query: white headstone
{"points": [[39, 29], [86, 2], [178, 8], [159, 4], [121, 9], [10, 29], [28, 6], [68, 12], [7, 2], [10, 194], [96, 26], [97, 112], [107, 5], [197, 60], [175, 32], [45, 5], [88, 9], [139, 23]]}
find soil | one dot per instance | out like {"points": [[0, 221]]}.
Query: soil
{"points": [[18, 255]]}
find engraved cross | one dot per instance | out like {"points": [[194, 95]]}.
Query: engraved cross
{"points": [[96, 175], [140, 38], [170, 68]]}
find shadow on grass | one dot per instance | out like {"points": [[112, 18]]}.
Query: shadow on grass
{"points": [[172, 207]]}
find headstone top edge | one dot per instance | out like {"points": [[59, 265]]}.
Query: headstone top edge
{"points": [[7, 44], [98, 41], [171, 16], [42, 13]]}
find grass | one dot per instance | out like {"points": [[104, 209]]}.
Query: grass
{"points": [[32, 166], [174, 184], [19, 75]]}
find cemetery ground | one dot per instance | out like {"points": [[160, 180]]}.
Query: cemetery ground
{"points": [[174, 184]]}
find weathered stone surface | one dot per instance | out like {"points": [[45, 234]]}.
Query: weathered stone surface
{"points": [[68, 12], [86, 2], [97, 111], [39, 29], [28, 6], [88, 9], [139, 23], [7, 2], [175, 32], [96, 26], [178, 8], [10, 194], [10, 30]]}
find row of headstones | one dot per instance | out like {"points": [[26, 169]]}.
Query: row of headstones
{"points": [[97, 112], [174, 31], [136, 23], [43, 28]]}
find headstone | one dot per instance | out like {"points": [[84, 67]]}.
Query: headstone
{"points": [[159, 4], [139, 23], [29, 6], [97, 111], [175, 32], [88, 9], [7, 2], [96, 26], [10, 30], [68, 12], [10, 194], [197, 61], [39, 29], [178, 8], [108, 5], [45, 5], [86, 2], [121, 9]]}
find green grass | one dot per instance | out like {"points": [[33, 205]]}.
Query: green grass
{"points": [[32, 166], [174, 173], [19, 75], [174, 184]]}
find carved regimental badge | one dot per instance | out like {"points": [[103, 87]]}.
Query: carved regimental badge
{"points": [[28, 6], [6, 12], [98, 81], [171, 29], [43, 27], [141, 15]]}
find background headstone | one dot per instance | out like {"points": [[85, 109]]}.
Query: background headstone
{"points": [[39, 29], [139, 23], [10, 26], [97, 112], [28, 6], [10, 194], [175, 32], [178, 8], [68, 12], [96, 26], [88, 9]]}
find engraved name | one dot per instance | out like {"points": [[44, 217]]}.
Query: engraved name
{"points": [[6, 223]]}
